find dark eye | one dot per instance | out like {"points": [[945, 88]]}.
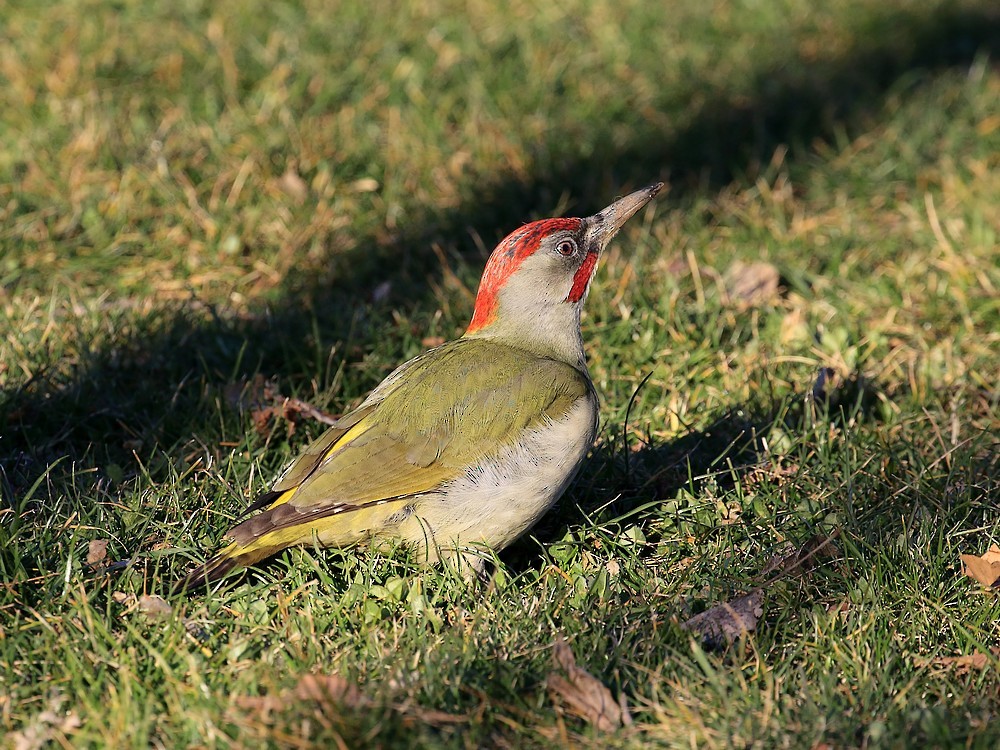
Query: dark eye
{"points": [[566, 247]]}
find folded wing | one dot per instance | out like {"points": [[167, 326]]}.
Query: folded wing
{"points": [[457, 405]]}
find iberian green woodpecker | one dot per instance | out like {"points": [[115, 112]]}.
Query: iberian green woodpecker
{"points": [[463, 448]]}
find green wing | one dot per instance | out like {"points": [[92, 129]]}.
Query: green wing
{"points": [[424, 425]]}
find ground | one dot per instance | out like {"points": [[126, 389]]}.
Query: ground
{"points": [[207, 208]]}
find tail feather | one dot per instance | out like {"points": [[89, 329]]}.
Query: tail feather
{"points": [[283, 525], [218, 567]]}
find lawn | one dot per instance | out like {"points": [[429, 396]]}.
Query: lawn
{"points": [[208, 208]]}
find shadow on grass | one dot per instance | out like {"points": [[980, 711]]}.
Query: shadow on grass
{"points": [[150, 393], [724, 453]]}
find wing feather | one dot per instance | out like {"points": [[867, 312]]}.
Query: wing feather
{"points": [[453, 409]]}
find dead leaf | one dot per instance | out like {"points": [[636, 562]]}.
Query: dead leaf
{"points": [[152, 606], [262, 419], [751, 284], [809, 556], [985, 569], [965, 663], [292, 185], [976, 661], [431, 341], [331, 692], [261, 706], [329, 688], [768, 471], [51, 726], [837, 609], [728, 621], [155, 607], [327, 697], [583, 694], [97, 551], [261, 398], [295, 406]]}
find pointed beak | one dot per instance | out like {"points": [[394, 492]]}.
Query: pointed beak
{"points": [[606, 224]]}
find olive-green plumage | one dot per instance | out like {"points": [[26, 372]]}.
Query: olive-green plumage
{"points": [[368, 472], [467, 444]]}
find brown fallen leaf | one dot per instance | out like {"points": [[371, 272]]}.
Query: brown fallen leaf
{"points": [[295, 406], [727, 621], [583, 694], [97, 551], [364, 185], [751, 284], [328, 698], [292, 185], [52, 726], [262, 419], [976, 661], [153, 606], [768, 471], [816, 550], [262, 707], [985, 569], [329, 689], [261, 398]]}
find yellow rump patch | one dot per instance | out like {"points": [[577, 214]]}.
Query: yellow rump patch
{"points": [[284, 497]]}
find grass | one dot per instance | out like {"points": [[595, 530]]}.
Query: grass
{"points": [[195, 195]]}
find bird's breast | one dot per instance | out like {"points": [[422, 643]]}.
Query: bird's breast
{"points": [[502, 496]]}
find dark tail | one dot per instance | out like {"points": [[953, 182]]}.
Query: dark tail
{"points": [[217, 568]]}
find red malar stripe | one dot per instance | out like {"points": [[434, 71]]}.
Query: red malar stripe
{"points": [[582, 278]]}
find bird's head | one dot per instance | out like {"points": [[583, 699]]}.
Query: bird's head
{"points": [[537, 278]]}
